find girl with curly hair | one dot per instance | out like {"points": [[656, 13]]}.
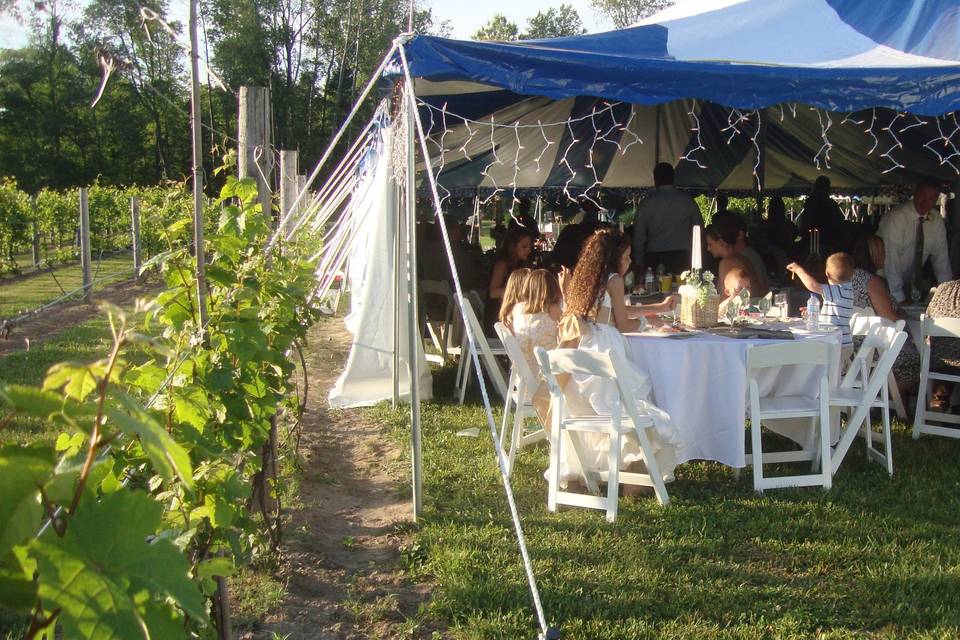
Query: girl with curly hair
{"points": [[595, 317]]}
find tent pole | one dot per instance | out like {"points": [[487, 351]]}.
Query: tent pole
{"points": [[414, 328], [397, 217]]}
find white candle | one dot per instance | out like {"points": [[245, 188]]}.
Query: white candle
{"points": [[696, 260]]}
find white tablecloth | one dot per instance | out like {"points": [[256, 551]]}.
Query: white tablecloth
{"points": [[701, 383]]}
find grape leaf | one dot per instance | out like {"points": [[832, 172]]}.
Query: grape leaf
{"points": [[165, 453], [103, 574], [31, 400], [23, 470]]}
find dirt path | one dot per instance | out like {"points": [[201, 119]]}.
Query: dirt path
{"points": [[51, 321], [340, 559]]}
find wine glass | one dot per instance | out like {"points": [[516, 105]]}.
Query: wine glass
{"points": [[780, 302]]}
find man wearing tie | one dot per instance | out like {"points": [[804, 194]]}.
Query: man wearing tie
{"points": [[912, 233]]}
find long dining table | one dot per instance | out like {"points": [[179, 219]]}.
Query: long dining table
{"points": [[699, 378]]}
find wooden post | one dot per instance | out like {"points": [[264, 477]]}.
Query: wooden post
{"points": [[288, 190], [195, 124], [256, 154], [36, 232], [85, 246], [135, 236]]}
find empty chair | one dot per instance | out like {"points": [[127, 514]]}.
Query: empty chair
{"points": [[519, 401], [865, 386], [930, 370], [817, 447], [440, 331], [860, 323], [624, 421], [487, 350]]}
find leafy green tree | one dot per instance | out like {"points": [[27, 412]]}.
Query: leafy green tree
{"points": [[623, 13], [553, 23], [498, 28]]}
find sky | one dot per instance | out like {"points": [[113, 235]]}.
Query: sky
{"points": [[465, 16]]}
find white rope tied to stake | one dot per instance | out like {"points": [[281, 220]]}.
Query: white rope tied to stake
{"points": [[545, 631]]}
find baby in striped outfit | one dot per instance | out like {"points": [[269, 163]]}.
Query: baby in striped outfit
{"points": [[837, 295]]}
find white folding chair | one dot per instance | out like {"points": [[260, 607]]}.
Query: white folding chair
{"points": [[860, 323], [615, 426], [439, 330], [521, 387], [865, 386], [781, 406], [478, 309], [330, 302], [934, 328], [488, 350]]}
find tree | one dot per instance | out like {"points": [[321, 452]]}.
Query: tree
{"points": [[623, 13], [498, 28], [553, 23]]}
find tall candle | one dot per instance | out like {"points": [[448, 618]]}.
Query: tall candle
{"points": [[696, 260]]}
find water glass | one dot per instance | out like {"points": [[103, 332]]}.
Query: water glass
{"points": [[780, 302]]}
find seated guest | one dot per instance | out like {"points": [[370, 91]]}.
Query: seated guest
{"points": [[566, 250], [722, 240], [742, 247], [912, 233], [870, 291], [781, 232], [944, 352], [520, 217], [594, 317], [514, 294], [837, 295], [534, 325], [513, 254]]}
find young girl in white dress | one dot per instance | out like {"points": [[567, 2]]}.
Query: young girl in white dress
{"points": [[595, 318]]}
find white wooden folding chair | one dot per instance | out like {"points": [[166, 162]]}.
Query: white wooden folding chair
{"points": [[860, 323], [439, 330], [817, 446], [464, 350], [934, 328], [488, 350], [865, 386], [615, 426], [521, 386]]}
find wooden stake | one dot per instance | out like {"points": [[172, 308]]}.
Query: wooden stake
{"points": [[256, 154], [85, 257], [135, 236], [195, 124]]}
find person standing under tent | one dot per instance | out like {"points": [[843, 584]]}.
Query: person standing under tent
{"points": [[663, 225], [820, 212], [912, 233]]}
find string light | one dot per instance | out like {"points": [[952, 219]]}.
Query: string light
{"points": [[688, 156], [546, 146], [888, 154], [825, 148]]}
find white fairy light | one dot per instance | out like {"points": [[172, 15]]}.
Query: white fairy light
{"points": [[628, 131], [565, 161], [688, 156], [496, 161], [546, 145], [734, 118], [888, 154], [756, 147], [947, 144], [516, 167], [825, 148]]}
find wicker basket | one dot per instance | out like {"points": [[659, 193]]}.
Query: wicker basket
{"points": [[697, 315]]}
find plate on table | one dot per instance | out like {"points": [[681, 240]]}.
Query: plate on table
{"points": [[751, 333]]}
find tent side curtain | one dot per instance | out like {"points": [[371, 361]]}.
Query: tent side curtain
{"points": [[748, 54]]}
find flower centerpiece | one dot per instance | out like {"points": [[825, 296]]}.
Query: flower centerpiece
{"points": [[699, 301]]}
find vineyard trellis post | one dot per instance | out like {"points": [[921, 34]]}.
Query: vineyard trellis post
{"points": [[256, 153], [36, 231], [85, 254], [135, 236], [289, 181]]}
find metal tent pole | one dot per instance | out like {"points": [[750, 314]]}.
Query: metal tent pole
{"points": [[413, 330]]}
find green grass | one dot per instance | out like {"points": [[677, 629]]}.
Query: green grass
{"points": [[31, 291], [872, 558], [84, 343]]}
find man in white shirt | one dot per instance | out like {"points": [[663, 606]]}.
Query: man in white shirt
{"points": [[913, 233]]}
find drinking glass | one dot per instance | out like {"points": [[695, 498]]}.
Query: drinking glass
{"points": [[780, 302]]}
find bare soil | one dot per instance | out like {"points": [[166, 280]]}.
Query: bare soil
{"points": [[340, 558], [51, 321]]}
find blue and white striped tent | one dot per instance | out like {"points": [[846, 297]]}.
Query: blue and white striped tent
{"points": [[743, 89]]}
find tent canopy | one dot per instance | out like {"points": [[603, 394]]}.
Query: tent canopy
{"points": [[838, 55], [736, 93]]}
